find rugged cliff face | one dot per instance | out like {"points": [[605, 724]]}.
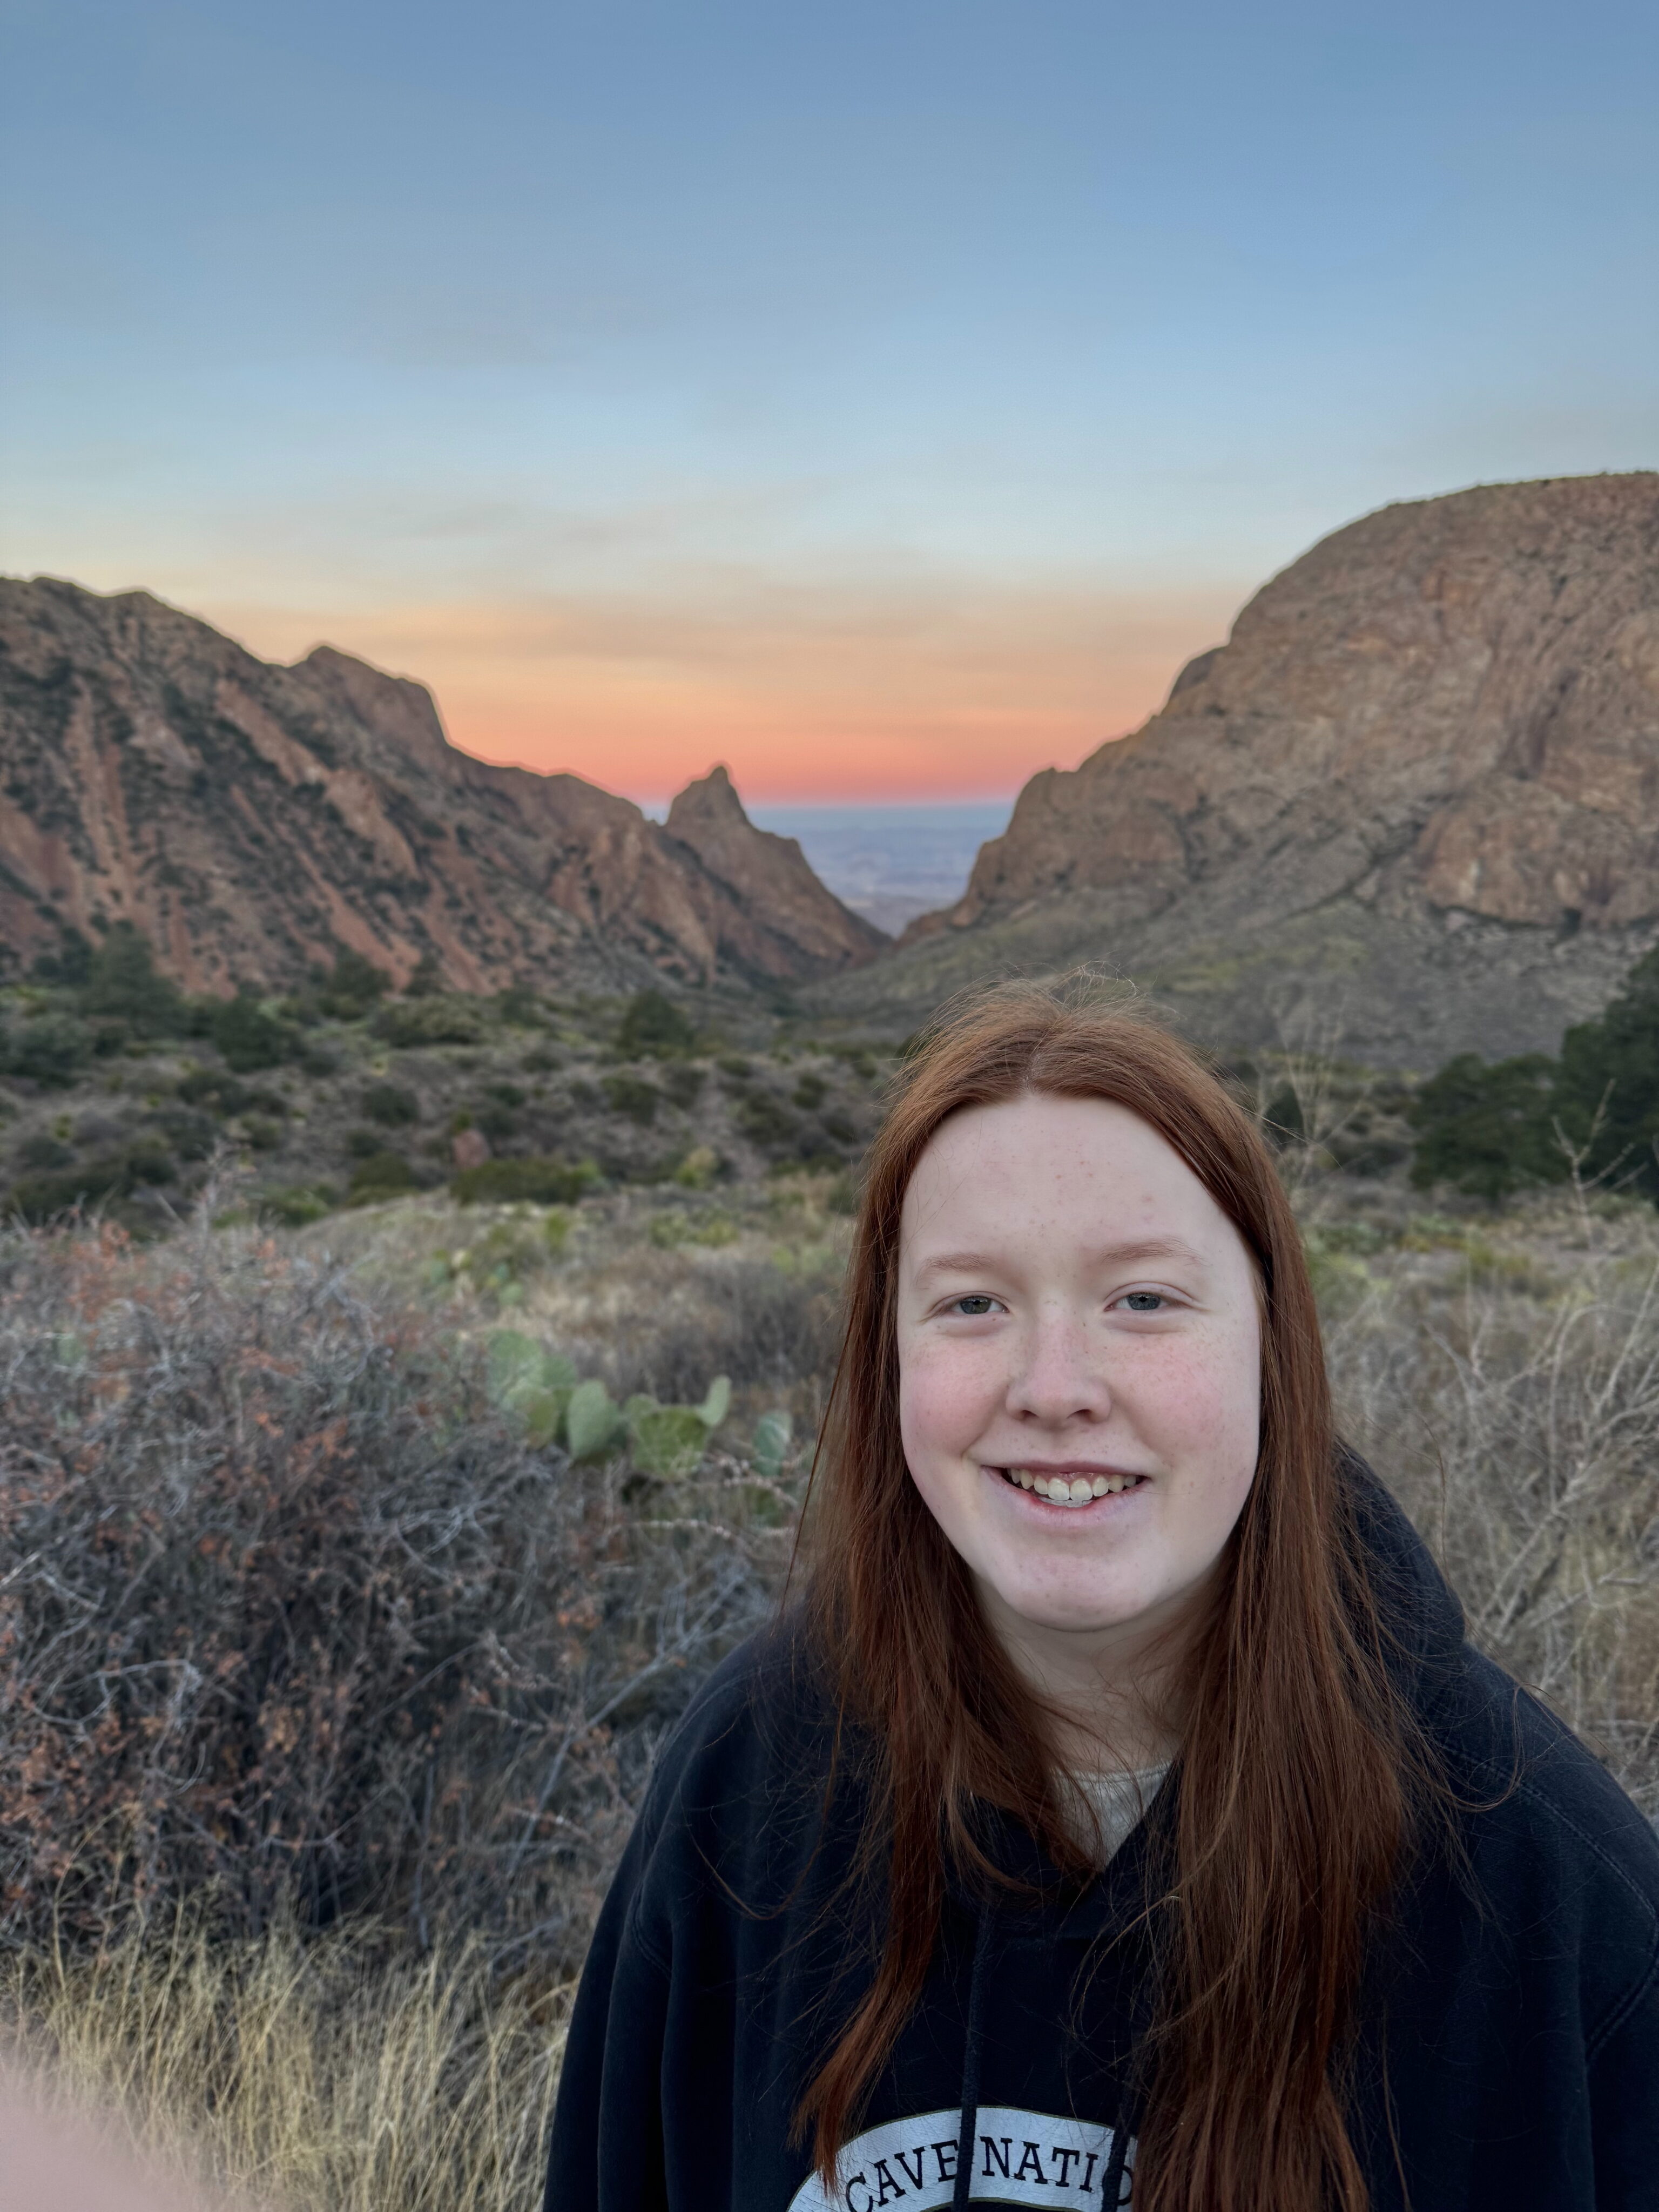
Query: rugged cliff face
{"points": [[250, 818], [1415, 798]]}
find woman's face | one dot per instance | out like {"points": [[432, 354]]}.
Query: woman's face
{"points": [[1077, 1318]]}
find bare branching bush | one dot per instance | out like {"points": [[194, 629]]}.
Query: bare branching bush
{"points": [[292, 1619], [1521, 1430]]}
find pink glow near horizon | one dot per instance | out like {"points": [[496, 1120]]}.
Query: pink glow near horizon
{"points": [[884, 698]]}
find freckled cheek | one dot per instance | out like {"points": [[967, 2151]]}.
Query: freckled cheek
{"points": [[947, 1398], [1199, 1407]]}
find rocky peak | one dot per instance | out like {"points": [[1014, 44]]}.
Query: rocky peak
{"points": [[769, 872]]}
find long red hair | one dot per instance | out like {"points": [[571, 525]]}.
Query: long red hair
{"points": [[1297, 1759]]}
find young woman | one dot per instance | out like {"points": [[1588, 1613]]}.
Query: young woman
{"points": [[1119, 1807]]}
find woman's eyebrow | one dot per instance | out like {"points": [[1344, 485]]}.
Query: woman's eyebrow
{"points": [[955, 1263], [1109, 1255], [1151, 1248]]}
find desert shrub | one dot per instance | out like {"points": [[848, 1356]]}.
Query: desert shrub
{"points": [[767, 1121], [353, 987], [392, 1106], [382, 1174], [1488, 1130], [294, 1206], [292, 1615], [48, 1049], [191, 1135], [632, 1097], [442, 1018], [102, 1177], [1607, 1088], [540, 1181], [248, 1035], [1594, 1113], [683, 1082], [43, 1152], [214, 1089], [497, 1122], [69, 966], [653, 1024], [123, 984], [811, 1093]]}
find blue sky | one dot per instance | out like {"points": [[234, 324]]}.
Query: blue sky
{"points": [[883, 399]]}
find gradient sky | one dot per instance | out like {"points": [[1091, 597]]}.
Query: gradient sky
{"points": [[884, 397]]}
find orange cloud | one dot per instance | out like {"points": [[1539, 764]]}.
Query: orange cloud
{"points": [[906, 691]]}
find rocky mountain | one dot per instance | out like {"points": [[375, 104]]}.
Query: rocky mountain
{"points": [[1412, 802], [251, 818]]}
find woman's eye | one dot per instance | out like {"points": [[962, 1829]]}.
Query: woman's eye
{"points": [[1144, 1300], [973, 1307]]}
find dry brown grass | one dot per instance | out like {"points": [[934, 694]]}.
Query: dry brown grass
{"points": [[335, 2075], [1503, 1376]]}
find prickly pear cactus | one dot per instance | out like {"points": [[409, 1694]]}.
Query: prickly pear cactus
{"points": [[532, 1382], [769, 1453], [593, 1421]]}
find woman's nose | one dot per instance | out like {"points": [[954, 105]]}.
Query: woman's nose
{"points": [[1060, 1376]]}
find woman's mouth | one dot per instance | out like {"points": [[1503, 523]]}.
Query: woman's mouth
{"points": [[1064, 1488]]}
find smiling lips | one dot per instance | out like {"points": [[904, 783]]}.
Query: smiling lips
{"points": [[1071, 1489]]}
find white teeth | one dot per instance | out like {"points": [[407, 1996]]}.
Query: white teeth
{"points": [[1074, 1490]]}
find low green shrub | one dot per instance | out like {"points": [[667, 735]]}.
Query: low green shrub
{"points": [[540, 1181], [632, 1097], [1488, 1130], [298, 1204], [382, 1175], [683, 1082], [392, 1106], [248, 1035], [109, 1175], [651, 1024], [443, 1019], [767, 1121], [47, 1049]]}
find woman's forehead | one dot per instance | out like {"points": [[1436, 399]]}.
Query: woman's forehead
{"points": [[1039, 1160]]}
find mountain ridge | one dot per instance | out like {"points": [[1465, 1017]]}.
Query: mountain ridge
{"points": [[251, 818], [1412, 801]]}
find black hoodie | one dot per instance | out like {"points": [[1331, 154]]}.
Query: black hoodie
{"points": [[1509, 2057]]}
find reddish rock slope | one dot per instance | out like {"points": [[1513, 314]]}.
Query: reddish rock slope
{"points": [[1415, 798], [250, 818]]}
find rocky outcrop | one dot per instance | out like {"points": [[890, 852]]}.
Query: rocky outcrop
{"points": [[251, 818], [771, 874], [1415, 796]]}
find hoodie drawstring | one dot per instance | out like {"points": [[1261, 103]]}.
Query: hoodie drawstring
{"points": [[970, 2063], [1111, 2186]]}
